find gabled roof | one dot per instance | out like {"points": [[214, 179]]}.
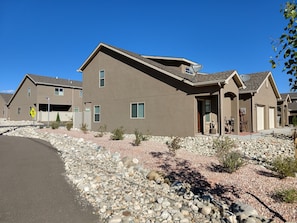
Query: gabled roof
{"points": [[255, 81], [285, 97], [293, 95], [193, 80], [58, 82], [48, 81], [6, 97]]}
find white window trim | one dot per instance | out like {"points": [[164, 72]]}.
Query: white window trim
{"points": [[137, 110], [101, 79], [59, 90], [96, 113]]}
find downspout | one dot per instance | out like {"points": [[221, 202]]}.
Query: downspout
{"points": [[252, 115]]}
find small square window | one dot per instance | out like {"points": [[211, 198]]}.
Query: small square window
{"points": [[137, 110], [59, 91]]}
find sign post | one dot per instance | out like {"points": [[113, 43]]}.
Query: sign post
{"points": [[33, 113]]}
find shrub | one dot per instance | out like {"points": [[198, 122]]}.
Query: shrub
{"points": [[55, 125], [232, 161], [69, 125], [118, 134], [285, 167], [223, 145], [58, 118], [102, 129], [84, 128], [229, 159], [294, 121], [174, 145], [286, 195], [139, 137]]}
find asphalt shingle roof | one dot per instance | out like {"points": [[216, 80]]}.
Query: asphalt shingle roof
{"points": [[176, 71], [254, 81], [6, 96], [54, 81]]}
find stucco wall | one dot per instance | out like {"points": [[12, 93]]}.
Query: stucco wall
{"points": [[22, 102], [168, 110]]}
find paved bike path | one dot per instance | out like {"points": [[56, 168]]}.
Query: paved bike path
{"points": [[33, 188]]}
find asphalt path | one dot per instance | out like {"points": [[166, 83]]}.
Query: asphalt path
{"points": [[33, 188]]}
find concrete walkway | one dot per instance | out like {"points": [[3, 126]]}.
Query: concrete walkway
{"points": [[33, 188]]}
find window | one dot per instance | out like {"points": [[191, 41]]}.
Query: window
{"points": [[207, 110], [137, 110], [19, 111], [59, 91], [101, 78], [76, 109], [80, 93], [97, 113], [29, 92]]}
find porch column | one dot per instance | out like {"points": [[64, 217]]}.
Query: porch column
{"points": [[221, 112]]}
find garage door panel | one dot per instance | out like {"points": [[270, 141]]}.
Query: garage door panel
{"points": [[260, 118]]}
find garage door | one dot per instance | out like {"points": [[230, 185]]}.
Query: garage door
{"points": [[271, 118], [260, 118]]}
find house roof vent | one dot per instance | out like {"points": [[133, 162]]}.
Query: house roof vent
{"points": [[245, 77]]}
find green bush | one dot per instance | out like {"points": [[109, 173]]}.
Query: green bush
{"points": [[294, 121], [118, 134], [58, 118], [232, 161], [174, 145], [286, 195], [223, 145], [229, 159], [55, 125], [84, 128], [285, 167], [69, 125], [138, 138]]}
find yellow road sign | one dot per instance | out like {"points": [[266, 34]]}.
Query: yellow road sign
{"points": [[32, 112]]}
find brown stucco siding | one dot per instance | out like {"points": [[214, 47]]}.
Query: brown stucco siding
{"points": [[265, 97], [168, 109], [19, 109]]}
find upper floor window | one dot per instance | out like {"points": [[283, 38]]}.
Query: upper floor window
{"points": [[19, 110], [29, 92], [59, 91], [80, 93], [101, 78], [97, 112], [137, 110]]}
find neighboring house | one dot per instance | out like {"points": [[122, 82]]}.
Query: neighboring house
{"points": [[48, 96], [258, 102], [161, 95], [4, 99], [287, 107], [283, 111]]}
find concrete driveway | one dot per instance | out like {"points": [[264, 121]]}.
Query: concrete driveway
{"points": [[33, 188]]}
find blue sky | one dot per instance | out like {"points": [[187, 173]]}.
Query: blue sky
{"points": [[54, 37]]}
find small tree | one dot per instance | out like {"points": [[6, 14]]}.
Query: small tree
{"points": [[286, 45], [58, 118]]}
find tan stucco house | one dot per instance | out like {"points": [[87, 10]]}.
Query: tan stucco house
{"points": [[258, 102], [283, 110], [4, 99], [48, 96], [162, 95]]}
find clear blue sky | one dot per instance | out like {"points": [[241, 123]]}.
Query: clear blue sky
{"points": [[54, 37]]}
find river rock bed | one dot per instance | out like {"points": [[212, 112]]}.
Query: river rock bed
{"points": [[118, 188]]}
